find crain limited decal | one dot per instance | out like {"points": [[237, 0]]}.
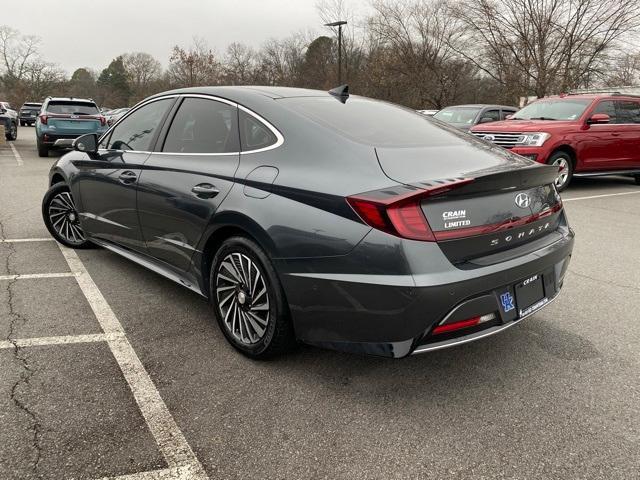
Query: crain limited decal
{"points": [[506, 299], [455, 219]]}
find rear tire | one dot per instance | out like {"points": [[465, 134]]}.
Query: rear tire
{"points": [[12, 134], [43, 150], [248, 300], [23, 124], [565, 162], [61, 217]]}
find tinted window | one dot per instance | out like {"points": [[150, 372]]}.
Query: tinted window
{"points": [[254, 134], [628, 112], [607, 107], [136, 131], [370, 121], [72, 108], [494, 115], [203, 126], [505, 113]]}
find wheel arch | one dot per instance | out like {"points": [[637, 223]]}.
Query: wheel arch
{"points": [[569, 150], [222, 227]]}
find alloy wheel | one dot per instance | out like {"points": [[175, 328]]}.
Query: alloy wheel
{"points": [[563, 174], [64, 218], [243, 298]]}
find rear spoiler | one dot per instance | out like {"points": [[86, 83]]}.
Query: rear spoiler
{"points": [[516, 179]]}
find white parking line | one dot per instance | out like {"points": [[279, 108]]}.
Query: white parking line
{"points": [[182, 462], [27, 276], [16, 154], [164, 474], [22, 240], [601, 196], [61, 340]]}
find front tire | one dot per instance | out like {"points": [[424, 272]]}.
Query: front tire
{"points": [[565, 162], [61, 217], [248, 300]]}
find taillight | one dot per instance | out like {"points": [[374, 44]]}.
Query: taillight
{"points": [[103, 120], [397, 210], [43, 119]]}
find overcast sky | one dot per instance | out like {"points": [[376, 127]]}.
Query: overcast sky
{"points": [[90, 33]]}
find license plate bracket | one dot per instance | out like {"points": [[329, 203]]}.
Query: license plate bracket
{"points": [[530, 295]]}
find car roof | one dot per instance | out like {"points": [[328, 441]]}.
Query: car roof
{"points": [[69, 99], [591, 96], [482, 105], [248, 94]]}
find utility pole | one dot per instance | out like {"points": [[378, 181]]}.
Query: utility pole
{"points": [[338, 24]]}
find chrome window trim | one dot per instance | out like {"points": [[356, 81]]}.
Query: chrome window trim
{"points": [[274, 130], [133, 109], [261, 119]]}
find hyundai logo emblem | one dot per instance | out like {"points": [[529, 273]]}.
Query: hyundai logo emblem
{"points": [[523, 200]]}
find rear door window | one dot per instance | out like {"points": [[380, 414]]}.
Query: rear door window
{"points": [[628, 112], [136, 132], [203, 126]]}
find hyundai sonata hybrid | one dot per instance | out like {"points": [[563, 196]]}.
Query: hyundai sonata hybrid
{"points": [[318, 217]]}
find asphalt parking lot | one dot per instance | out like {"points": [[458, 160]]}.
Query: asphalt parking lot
{"points": [[109, 370]]}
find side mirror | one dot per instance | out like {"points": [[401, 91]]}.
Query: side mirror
{"points": [[599, 118], [86, 143], [486, 120]]}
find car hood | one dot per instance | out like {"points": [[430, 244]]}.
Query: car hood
{"points": [[521, 125]]}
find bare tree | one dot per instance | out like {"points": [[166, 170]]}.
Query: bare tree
{"points": [[415, 41], [16, 52], [239, 64], [142, 70], [541, 46], [196, 66], [281, 61]]}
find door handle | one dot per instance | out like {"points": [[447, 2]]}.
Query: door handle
{"points": [[205, 190], [615, 134], [128, 177]]}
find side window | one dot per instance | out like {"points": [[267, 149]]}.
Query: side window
{"points": [[254, 134], [137, 130], [608, 107], [505, 113], [203, 126], [494, 115], [628, 112]]}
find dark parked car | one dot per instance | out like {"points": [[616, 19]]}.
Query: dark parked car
{"points": [[466, 116], [9, 118], [343, 222], [29, 113], [66, 118]]}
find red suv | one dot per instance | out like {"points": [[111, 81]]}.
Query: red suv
{"points": [[585, 134]]}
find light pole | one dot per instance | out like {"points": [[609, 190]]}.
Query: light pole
{"points": [[338, 24]]}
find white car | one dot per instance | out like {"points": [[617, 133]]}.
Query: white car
{"points": [[9, 118]]}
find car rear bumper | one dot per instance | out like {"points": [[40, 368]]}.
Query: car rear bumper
{"points": [[393, 315]]}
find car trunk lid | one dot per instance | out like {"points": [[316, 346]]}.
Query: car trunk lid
{"points": [[483, 202]]}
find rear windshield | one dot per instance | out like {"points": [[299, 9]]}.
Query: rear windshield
{"points": [[31, 106], [556, 109], [371, 122], [72, 108], [458, 115]]}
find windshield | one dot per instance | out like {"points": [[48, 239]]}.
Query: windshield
{"points": [[72, 108], [557, 109], [458, 115]]}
